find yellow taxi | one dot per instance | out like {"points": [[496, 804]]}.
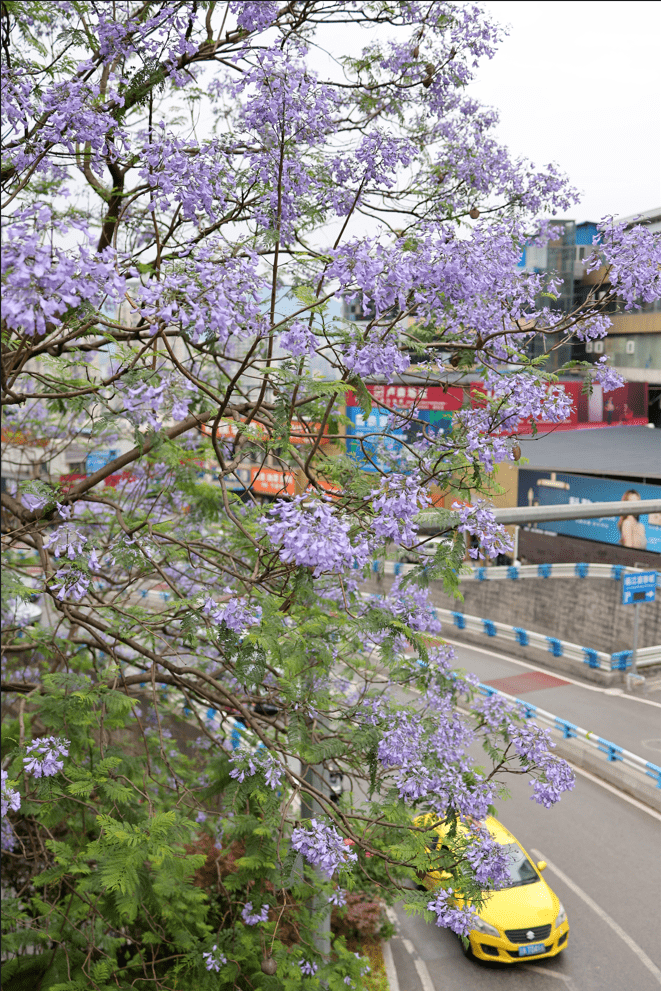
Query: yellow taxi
{"points": [[522, 921]]}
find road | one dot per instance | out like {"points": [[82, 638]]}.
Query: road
{"points": [[604, 863], [631, 722]]}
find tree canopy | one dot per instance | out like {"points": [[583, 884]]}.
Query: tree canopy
{"points": [[219, 219]]}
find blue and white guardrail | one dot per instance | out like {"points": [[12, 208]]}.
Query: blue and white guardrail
{"points": [[618, 661], [521, 571], [611, 751]]}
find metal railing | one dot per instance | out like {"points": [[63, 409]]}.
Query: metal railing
{"points": [[618, 661], [519, 572]]}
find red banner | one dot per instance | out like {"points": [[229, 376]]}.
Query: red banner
{"points": [[431, 397]]}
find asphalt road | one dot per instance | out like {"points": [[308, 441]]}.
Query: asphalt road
{"points": [[604, 856]]}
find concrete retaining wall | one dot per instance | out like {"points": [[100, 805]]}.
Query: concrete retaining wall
{"points": [[586, 611]]}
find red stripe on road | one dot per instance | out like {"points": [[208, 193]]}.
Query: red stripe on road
{"points": [[530, 681]]}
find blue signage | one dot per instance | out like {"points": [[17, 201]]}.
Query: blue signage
{"points": [[639, 588], [99, 459], [640, 531], [380, 447]]}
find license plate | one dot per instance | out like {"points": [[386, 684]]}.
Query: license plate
{"points": [[531, 949]]}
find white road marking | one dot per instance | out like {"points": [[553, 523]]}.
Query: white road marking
{"points": [[545, 972], [604, 916], [557, 674], [654, 744], [389, 964], [424, 975], [408, 946], [615, 791]]}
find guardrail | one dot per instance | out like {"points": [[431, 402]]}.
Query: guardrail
{"points": [[611, 751], [519, 572], [618, 661]]}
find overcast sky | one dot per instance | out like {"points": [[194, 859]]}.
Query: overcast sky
{"points": [[580, 84]]}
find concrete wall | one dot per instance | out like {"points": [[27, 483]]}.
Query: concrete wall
{"points": [[585, 611]]}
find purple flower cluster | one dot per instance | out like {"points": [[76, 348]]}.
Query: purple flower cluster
{"points": [[214, 959], [448, 916], [607, 377], [322, 846], [34, 502], [10, 798], [44, 756], [480, 521], [382, 358], [298, 339], [66, 539], [236, 614], [253, 16], [395, 503], [313, 535], [253, 918], [72, 584], [488, 859], [634, 261], [248, 764], [308, 967]]}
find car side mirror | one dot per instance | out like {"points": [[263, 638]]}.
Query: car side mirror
{"points": [[541, 865]]}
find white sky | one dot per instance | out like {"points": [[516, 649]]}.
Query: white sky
{"points": [[579, 84]]}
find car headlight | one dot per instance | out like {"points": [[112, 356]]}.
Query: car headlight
{"points": [[562, 917], [484, 927]]}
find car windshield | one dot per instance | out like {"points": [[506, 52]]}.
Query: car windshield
{"points": [[521, 870]]}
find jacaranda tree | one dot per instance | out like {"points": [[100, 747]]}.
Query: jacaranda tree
{"points": [[189, 189]]}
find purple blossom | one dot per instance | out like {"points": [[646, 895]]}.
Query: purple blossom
{"points": [[33, 502], [298, 339], [396, 502], [236, 614], [607, 377], [252, 919], [7, 835], [338, 897], [448, 916], [253, 16], [308, 967], [313, 534], [66, 539], [480, 521], [376, 358], [248, 764], [11, 799], [72, 584], [214, 959], [322, 846], [489, 861], [44, 756]]}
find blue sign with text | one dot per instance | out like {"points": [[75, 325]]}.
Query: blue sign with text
{"points": [[639, 588]]}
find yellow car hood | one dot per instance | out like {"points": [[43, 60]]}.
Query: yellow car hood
{"points": [[526, 905]]}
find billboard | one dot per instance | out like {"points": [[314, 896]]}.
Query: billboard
{"points": [[430, 405], [626, 406], [550, 488]]}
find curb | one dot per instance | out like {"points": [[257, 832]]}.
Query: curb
{"points": [[389, 964]]}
